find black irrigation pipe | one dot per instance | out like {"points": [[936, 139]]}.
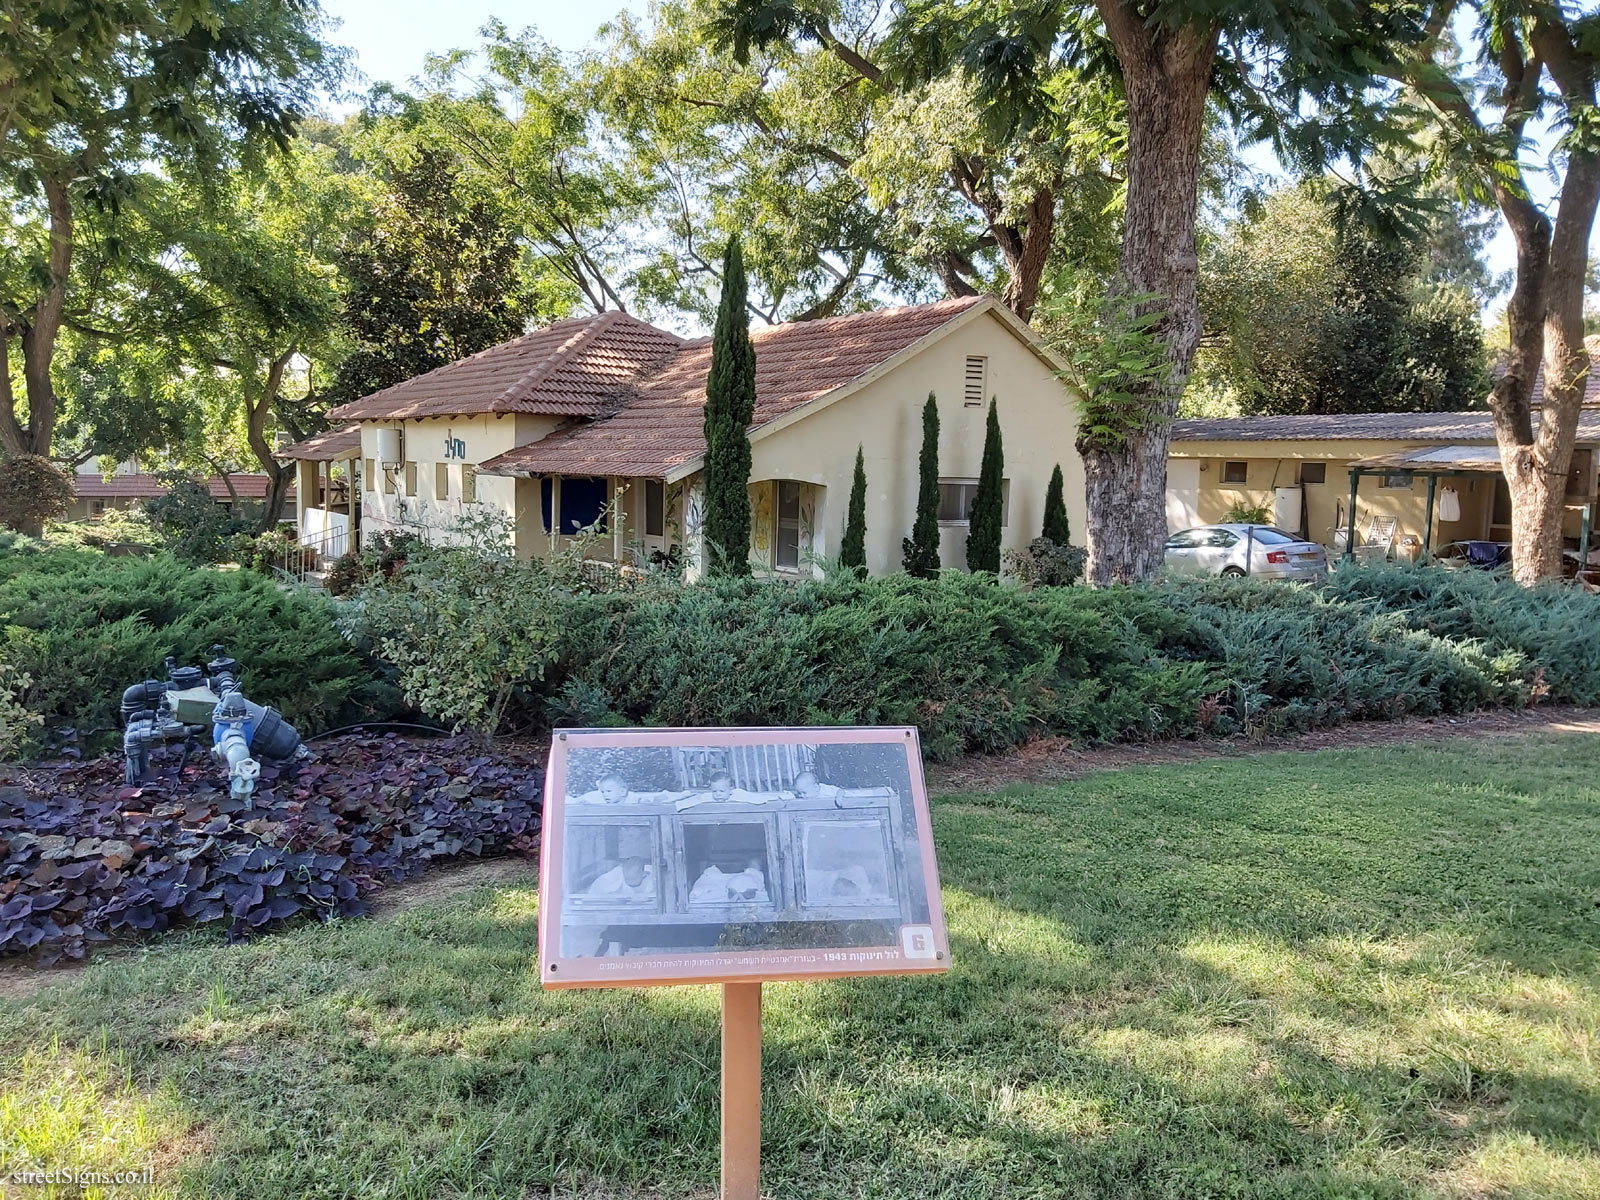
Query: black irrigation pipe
{"points": [[433, 729]]}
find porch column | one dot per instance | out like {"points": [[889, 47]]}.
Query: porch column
{"points": [[1427, 524], [617, 517], [1350, 533]]}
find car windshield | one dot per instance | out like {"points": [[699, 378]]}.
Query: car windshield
{"points": [[1269, 536]]}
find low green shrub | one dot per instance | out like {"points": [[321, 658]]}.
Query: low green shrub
{"points": [[115, 525], [978, 667], [83, 626], [1551, 628]]}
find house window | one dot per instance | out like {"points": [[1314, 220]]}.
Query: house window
{"points": [[97, 507], [1396, 480], [1313, 472], [411, 479], [977, 380], [371, 486], [1235, 471], [786, 542], [469, 483], [583, 502], [441, 481], [655, 508], [956, 496], [388, 480]]}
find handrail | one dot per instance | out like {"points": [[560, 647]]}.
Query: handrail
{"points": [[300, 559]]}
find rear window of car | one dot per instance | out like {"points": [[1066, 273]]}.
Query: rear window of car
{"points": [[1273, 537]]}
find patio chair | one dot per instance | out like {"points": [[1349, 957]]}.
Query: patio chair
{"points": [[1378, 542]]}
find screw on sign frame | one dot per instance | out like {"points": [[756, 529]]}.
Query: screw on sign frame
{"points": [[734, 857]]}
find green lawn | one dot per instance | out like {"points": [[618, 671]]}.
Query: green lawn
{"points": [[1344, 974]]}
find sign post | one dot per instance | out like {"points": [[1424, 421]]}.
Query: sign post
{"points": [[741, 1091], [734, 857]]}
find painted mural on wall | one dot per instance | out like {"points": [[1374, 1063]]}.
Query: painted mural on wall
{"points": [[761, 525]]}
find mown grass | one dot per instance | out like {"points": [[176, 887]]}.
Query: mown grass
{"points": [[1344, 974]]}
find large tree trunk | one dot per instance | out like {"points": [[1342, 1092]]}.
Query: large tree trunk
{"points": [[1165, 75], [257, 408], [39, 334]]}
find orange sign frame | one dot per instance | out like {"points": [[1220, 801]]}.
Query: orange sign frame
{"points": [[917, 946]]}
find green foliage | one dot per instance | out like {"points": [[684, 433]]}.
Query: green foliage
{"points": [[1116, 360], [1310, 313], [979, 668], [432, 276], [17, 724], [127, 526], [196, 526], [920, 551], [1057, 528], [1241, 512], [730, 405], [33, 490], [853, 549], [1046, 563], [466, 625], [84, 626], [988, 502]]}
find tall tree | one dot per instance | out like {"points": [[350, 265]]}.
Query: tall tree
{"points": [[730, 406], [433, 275], [1485, 105], [1308, 311], [93, 103], [853, 549], [1164, 59], [1056, 526], [920, 551], [988, 501], [957, 188]]}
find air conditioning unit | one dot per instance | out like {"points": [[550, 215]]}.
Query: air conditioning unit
{"points": [[390, 453]]}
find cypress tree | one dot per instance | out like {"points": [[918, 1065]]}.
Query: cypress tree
{"points": [[853, 551], [920, 551], [1056, 527], [983, 536], [730, 405]]}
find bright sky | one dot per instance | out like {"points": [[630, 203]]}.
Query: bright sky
{"points": [[391, 37]]}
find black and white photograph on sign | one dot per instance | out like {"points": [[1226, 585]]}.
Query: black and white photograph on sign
{"points": [[677, 849]]}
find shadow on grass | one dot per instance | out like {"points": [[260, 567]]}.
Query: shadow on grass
{"points": [[1325, 976]]}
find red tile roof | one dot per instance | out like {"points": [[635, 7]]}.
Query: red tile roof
{"points": [[657, 425], [332, 445], [134, 487], [569, 369]]}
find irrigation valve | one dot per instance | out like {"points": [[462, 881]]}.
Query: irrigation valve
{"points": [[192, 700]]}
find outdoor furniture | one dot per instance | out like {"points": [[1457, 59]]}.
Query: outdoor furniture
{"points": [[1378, 542]]}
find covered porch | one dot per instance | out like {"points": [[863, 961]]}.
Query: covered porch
{"points": [[328, 466], [1476, 524]]}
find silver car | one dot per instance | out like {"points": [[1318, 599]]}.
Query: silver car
{"points": [[1259, 550]]}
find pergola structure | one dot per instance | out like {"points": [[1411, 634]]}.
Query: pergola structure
{"points": [[1434, 463]]}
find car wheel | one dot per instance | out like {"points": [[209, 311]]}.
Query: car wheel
{"points": [[1233, 572]]}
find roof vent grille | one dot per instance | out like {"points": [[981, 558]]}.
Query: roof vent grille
{"points": [[977, 380]]}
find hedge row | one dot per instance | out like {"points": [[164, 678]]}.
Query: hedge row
{"points": [[84, 626], [979, 667]]}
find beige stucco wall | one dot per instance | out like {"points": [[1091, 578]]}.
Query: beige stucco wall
{"points": [[1276, 464], [1037, 422], [424, 442]]}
